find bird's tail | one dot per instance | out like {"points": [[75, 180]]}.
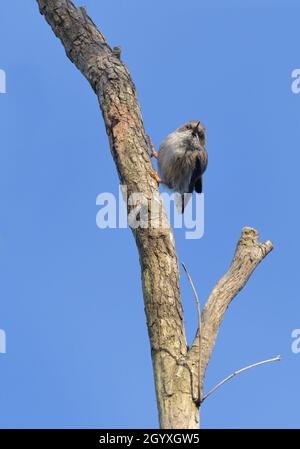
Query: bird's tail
{"points": [[181, 200]]}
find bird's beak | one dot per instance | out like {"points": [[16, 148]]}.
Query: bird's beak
{"points": [[196, 129]]}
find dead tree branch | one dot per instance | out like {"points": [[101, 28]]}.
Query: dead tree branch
{"points": [[248, 254], [246, 368], [175, 369], [87, 48], [199, 324]]}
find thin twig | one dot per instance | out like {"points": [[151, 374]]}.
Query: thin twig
{"points": [[199, 323], [274, 359]]}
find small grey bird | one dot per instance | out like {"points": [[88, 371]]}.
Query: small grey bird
{"points": [[182, 159]]}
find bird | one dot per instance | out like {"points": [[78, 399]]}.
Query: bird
{"points": [[182, 159]]}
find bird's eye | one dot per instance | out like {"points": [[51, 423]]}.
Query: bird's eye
{"points": [[199, 134]]}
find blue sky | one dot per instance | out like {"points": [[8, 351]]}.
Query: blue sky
{"points": [[70, 294]]}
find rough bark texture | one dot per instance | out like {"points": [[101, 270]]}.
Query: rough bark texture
{"points": [[86, 47], [175, 368]]}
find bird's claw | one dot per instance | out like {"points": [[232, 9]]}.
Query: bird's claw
{"points": [[155, 176], [151, 146], [159, 181]]}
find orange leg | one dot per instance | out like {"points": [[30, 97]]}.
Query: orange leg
{"points": [[153, 152], [155, 176]]}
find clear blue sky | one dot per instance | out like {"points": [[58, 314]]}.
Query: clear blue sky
{"points": [[70, 294]]}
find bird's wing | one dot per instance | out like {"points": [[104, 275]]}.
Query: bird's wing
{"points": [[198, 185], [196, 179]]}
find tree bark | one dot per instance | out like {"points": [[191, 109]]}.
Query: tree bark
{"points": [[175, 368]]}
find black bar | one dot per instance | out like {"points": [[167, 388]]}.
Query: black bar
{"points": [[102, 438]]}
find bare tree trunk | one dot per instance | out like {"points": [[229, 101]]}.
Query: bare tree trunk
{"points": [[175, 368]]}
